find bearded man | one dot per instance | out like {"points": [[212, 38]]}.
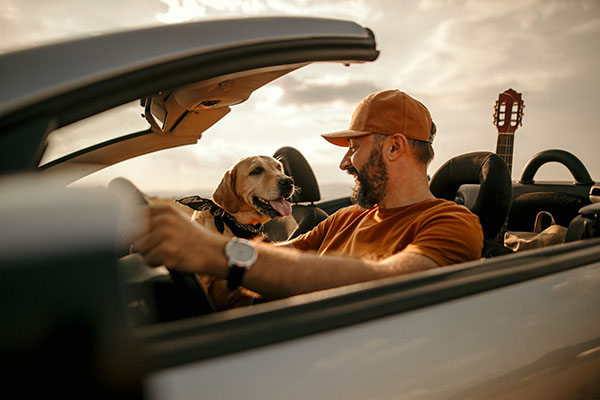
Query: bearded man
{"points": [[396, 225]]}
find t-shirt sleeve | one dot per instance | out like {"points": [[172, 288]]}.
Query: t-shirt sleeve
{"points": [[311, 240], [450, 237]]}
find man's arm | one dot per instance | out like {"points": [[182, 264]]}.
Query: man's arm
{"points": [[172, 240], [282, 272], [287, 244]]}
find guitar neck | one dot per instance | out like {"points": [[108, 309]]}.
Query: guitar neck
{"points": [[504, 148], [508, 114]]}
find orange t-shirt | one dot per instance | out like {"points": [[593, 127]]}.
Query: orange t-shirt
{"points": [[439, 229]]}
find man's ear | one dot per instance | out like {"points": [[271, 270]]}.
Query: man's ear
{"points": [[225, 195], [397, 146]]}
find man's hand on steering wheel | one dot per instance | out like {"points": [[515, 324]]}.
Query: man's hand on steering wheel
{"points": [[151, 246]]}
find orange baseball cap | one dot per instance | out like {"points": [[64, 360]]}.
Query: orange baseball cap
{"points": [[387, 112]]}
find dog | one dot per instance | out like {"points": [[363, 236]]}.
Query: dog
{"points": [[252, 192]]}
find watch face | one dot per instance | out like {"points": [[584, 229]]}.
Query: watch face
{"points": [[240, 252]]}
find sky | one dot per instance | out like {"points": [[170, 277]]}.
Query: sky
{"points": [[455, 56]]}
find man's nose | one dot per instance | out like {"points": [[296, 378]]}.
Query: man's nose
{"points": [[345, 163]]}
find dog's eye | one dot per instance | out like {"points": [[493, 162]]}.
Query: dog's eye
{"points": [[257, 171]]}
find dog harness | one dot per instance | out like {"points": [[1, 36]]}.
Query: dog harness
{"points": [[222, 217]]}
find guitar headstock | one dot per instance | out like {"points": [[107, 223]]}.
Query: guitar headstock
{"points": [[508, 111]]}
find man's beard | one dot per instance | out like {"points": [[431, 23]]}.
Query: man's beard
{"points": [[369, 186]]}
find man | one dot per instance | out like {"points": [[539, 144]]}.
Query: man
{"points": [[396, 226]]}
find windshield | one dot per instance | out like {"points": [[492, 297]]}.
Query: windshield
{"points": [[247, 130], [111, 124]]}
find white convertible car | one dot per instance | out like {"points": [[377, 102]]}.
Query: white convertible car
{"points": [[79, 319]]}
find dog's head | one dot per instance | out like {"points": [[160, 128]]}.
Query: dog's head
{"points": [[256, 188]]}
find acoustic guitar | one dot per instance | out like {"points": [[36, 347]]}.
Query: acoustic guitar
{"points": [[508, 116]]}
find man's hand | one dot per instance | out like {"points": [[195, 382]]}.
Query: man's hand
{"points": [[171, 239]]}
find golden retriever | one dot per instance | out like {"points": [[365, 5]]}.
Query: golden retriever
{"points": [[252, 192]]}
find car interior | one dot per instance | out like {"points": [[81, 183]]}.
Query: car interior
{"points": [[478, 180]]}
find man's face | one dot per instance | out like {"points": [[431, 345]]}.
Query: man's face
{"points": [[365, 162]]}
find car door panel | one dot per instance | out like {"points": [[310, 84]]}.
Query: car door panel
{"points": [[518, 336]]}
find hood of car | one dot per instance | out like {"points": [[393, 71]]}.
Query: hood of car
{"points": [[187, 77]]}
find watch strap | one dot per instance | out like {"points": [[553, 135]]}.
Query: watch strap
{"points": [[234, 278]]}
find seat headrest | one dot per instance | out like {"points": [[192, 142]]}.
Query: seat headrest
{"points": [[297, 167], [495, 193]]}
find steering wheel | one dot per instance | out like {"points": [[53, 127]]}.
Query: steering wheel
{"points": [[184, 296]]}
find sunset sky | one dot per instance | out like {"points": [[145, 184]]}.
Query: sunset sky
{"points": [[455, 56]]}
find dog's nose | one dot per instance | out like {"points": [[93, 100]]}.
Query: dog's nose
{"points": [[285, 186]]}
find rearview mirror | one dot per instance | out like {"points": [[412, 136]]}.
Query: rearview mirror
{"points": [[155, 112]]}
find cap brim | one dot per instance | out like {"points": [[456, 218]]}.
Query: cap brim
{"points": [[340, 138]]}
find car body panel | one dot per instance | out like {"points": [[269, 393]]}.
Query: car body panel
{"points": [[484, 346], [238, 330]]}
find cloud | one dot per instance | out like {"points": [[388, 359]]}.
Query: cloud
{"points": [[186, 10], [473, 45], [591, 26], [37, 22], [301, 92], [523, 11], [181, 10]]}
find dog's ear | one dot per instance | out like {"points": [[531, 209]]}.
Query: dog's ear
{"points": [[225, 195]]}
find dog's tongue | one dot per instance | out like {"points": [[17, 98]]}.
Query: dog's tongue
{"points": [[283, 207]]}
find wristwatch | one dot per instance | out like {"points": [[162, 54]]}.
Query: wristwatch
{"points": [[241, 255]]}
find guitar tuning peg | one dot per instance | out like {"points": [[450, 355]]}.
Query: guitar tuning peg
{"points": [[520, 123]]}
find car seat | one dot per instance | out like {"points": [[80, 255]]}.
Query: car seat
{"points": [[493, 198], [586, 225], [305, 214]]}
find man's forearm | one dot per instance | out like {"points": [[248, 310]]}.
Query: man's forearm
{"points": [[281, 271]]}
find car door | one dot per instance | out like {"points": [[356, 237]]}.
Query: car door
{"points": [[502, 328]]}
